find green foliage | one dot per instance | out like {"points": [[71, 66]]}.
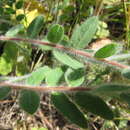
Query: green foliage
{"points": [[9, 10], [84, 33], [8, 58], [20, 17], [21, 58], [111, 89], [106, 51], [55, 34], [10, 55], [35, 27], [10, 2], [126, 73], [4, 91], [53, 76], [37, 76], [14, 30], [94, 104], [67, 60], [68, 109], [19, 4], [74, 77], [6, 65], [125, 97], [102, 30], [29, 101]]}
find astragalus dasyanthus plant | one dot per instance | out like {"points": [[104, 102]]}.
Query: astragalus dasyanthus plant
{"points": [[70, 94]]}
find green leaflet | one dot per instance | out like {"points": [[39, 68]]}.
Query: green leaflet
{"points": [[4, 91], [22, 68], [56, 33], [19, 4], [125, 97], [29, 101], [53, 76], [111, 89], [8, 58], [14, 30], [74, 77], [68, 109], [67, 60], [10, 10], [126, 73], [94, 104], [75, 38], [37, 76], [106, 51], [11, 50], [84, 33], [6, 65], [20, 17], [35, 27]]}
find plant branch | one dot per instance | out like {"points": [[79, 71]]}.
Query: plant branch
{"points": [[43, 88], [66, 49]]}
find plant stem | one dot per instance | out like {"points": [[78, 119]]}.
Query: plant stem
{"points": [[66, 49], [44, 88]]}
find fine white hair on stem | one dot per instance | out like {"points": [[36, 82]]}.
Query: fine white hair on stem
{"points": [[65, 49], [14, 78], [44, 88]]}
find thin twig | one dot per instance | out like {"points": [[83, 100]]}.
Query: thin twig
{"points": [[6, 101]]}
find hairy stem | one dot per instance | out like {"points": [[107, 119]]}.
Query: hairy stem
{"points": [[66, 49], [43, 88]]}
